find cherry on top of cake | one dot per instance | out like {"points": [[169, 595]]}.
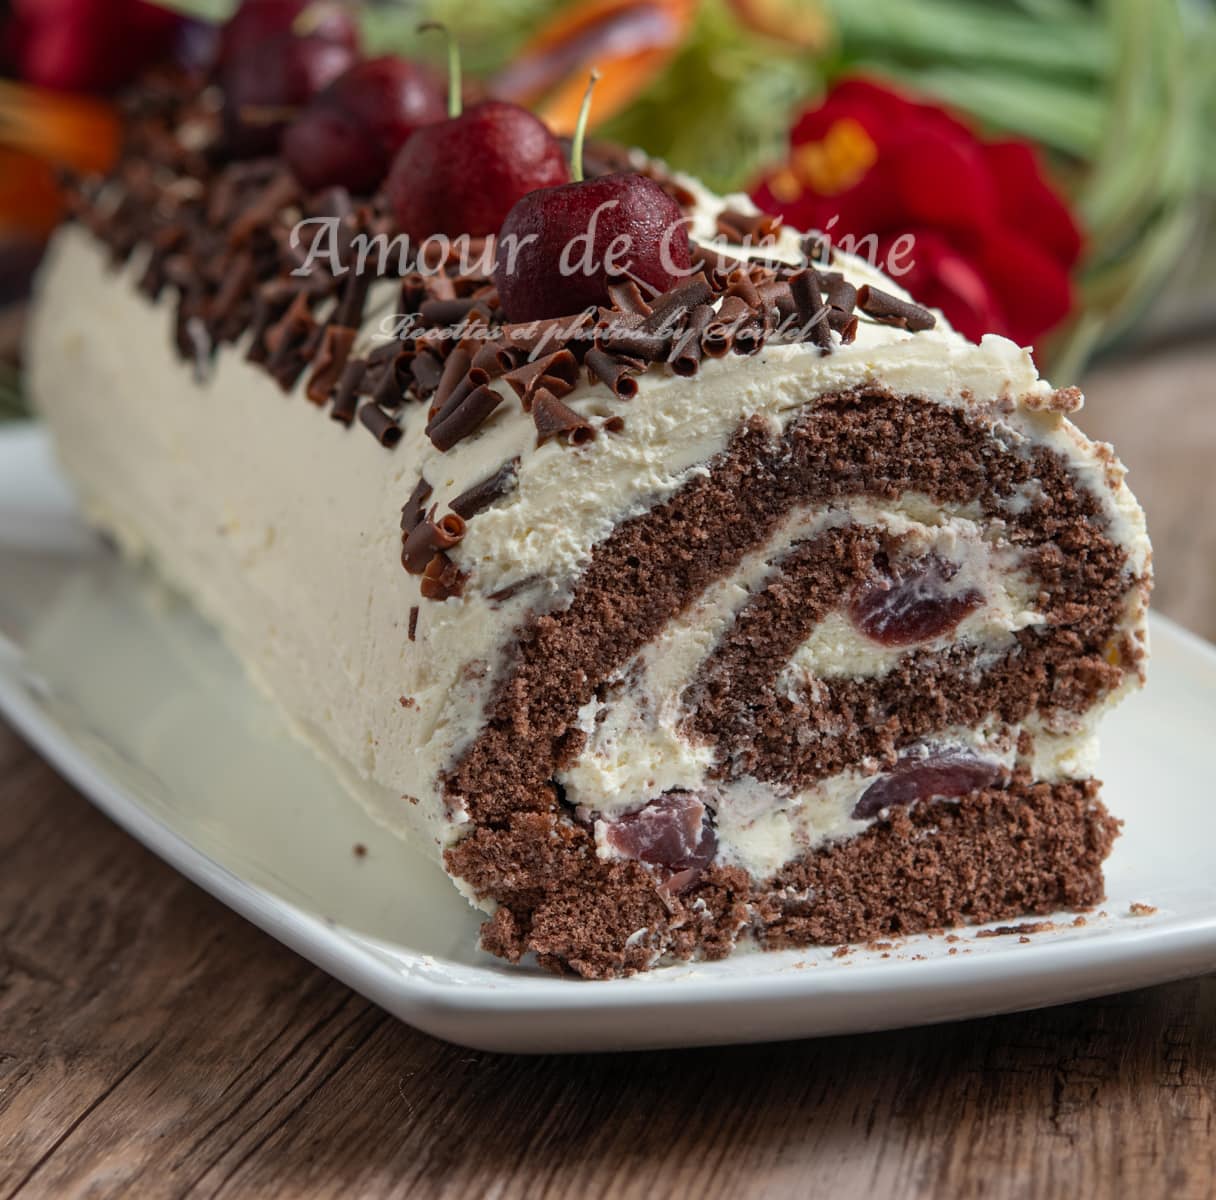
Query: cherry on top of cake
{"points": [[350, 131], [561, 248], [462, 175], [273, 57]]}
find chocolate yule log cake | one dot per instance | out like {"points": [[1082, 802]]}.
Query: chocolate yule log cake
{"points": [[742, 604]]}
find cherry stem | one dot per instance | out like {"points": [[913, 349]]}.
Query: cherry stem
{"points": [[580, 129], [455, 100]]}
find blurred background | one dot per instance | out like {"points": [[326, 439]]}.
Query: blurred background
{"points": [[1055, 159]]}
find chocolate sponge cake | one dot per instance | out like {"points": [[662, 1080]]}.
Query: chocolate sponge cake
{"points": [[763, 608]]}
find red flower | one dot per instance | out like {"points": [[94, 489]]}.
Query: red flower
{"points": [[993, 244], [87, 45]]}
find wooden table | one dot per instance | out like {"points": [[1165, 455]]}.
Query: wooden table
{"points": [[154, 1044]]}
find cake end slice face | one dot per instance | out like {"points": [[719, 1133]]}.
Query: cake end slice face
{"points": [[843, 684], [766, 609]]}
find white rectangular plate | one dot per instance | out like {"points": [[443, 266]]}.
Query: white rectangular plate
{"points": [[139, 703]]}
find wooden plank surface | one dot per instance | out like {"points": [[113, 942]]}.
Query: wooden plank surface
{"points": [[153, 1044]]}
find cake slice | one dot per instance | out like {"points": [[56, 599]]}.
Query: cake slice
{"points": [[792, 624]]}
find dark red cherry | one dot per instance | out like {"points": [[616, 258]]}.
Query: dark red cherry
{"points": [[559, 248], [348, 134], [911, 601], [259, 20], [949, 773], [85, 45], [464, 174], [672, 833], [266, 85]]}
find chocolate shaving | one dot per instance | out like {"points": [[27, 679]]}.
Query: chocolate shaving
{"points": [[466, 418], [329, 363], [465, 384], [686, 355], [413, 625], [493, 359], [445, 312], [891, 310], [388, 387], [618, 375], [413, 510], [553, 418], [454, 370], [428, 536], [561, 365], [481, 495], [383, 428], [670, 309], [739, 227], [637, 343], [442, 579], [427, 370], [627, 296], [346, 397]]}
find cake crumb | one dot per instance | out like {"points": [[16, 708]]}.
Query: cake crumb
{"points": [[1024, 928], [1023, 939], [952, 938], [1139, 909], [1077, 922], [411, 799], [359, 850], [842, 951], [952, 950], [407, 701]]}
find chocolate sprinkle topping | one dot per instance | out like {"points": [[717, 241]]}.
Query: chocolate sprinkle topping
{"points": [[383, 428], [555, 419], [891, 310], [481, 495]]}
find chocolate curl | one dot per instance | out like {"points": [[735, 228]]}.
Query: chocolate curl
{"points": [[560, 366], [627, 296], [720, 333], [618, 375], [891, 310], [442, 579], [670, 309], [445, 312], [427, 370], [714, 262], [468, 381], [413, 510], [481, 495], [739, 227], [557, 331], [454, 370], [777, 296], [427, 537], [237, 279], [285, 339], [389, 386], [841, 293], [275, 196], [637, 343], [494, 359], [413, 625], [686, 357], [741, 284], [346, 398], [466, 418], [816, 248], [354, 299], [336, 344], [614, 425], [812, 312], [555, 419], [383, 428], [844, 324]]}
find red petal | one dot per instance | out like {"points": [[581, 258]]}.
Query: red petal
{"points": [[1029, 201]]}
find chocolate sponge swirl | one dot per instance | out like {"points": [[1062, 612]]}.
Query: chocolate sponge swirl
{"points": [[535, 854]]}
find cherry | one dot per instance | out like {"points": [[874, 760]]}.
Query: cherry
{"points": [[910, 603], [949, 773], [560, 247], [87, 45], [350, 131], [258, 21], [672, 833], [463, 175], [267, 82]]}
